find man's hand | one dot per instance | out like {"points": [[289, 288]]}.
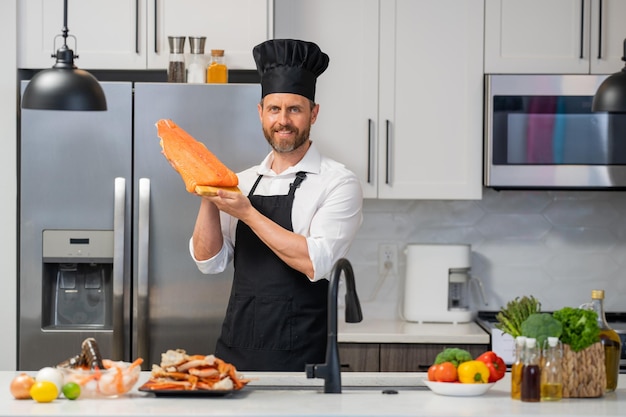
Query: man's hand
{"points": [[232, 203]]}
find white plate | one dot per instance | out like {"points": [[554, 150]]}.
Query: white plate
{"points": [[456, 389]]}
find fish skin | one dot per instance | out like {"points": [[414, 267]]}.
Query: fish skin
{"points": [[194, 162]]}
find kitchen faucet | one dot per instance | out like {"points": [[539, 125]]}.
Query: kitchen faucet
{"points": [[330, 370]]}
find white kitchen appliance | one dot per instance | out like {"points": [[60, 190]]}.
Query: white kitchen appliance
{"points": [[437, 283]]}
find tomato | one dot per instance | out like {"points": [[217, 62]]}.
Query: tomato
{"points": [[495, 364], [71, 390], [446, 372], [431, 373], [44, 391]]}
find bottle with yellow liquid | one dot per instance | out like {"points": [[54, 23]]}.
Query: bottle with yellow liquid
{"points": [[551, 376], [610, 340], [217, 72], [516, 368]]}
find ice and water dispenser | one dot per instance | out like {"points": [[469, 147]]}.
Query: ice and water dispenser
{"points": [[77, 283]]}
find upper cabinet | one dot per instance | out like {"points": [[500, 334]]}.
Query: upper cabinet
{"points": [[132, 34], [556, 36], [401, 101]]}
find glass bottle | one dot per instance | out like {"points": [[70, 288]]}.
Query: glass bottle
{"points": [[217, 72], [196, 70], [551, 376], [531, 372], [516, 368], [176, 68], [610, 340]]}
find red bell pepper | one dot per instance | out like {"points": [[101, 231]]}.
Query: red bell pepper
{"points": [[495, 364]]}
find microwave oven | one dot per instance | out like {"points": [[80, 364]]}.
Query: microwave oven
{"points": [[540, 133]]}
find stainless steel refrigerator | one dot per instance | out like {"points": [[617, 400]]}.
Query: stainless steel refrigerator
{"points": [[105, 223]]}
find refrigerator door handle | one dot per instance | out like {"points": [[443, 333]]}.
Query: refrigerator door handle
{"points": [[119, 218], [143, 238]]}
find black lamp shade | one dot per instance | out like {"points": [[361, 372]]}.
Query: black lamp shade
{"points": [[64, 89], [611, 95]]}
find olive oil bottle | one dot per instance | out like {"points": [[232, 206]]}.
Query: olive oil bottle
{"points": [[610, 340], [516, 368]]}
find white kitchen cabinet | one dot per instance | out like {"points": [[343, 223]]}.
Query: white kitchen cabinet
{"points": [[401, 101], [555, 36], [132, 35]]}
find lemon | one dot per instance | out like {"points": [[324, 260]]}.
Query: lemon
{"points": [[44, 391], [71, 390]]}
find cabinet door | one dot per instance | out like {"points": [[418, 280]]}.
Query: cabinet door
{"points": [[234, 25], [347, 30], [359, 357], [537, 36], [431, 89], [417, 357], [607, 36], [109, 34]]}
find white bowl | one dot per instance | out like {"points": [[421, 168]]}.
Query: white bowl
{"points": [[457, 389]]}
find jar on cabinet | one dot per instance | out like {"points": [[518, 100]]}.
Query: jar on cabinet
{"points": [[196, 71], [176, 68], [217, 72]]}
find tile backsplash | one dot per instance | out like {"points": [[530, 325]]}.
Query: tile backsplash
{"points": [[555, 245]]}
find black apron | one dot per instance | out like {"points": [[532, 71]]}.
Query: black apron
{"points": [[276, 318]]}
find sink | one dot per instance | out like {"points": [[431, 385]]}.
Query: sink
{"points": [[357, 381]]}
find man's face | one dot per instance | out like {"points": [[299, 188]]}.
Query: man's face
{"points": [[286, 120]]}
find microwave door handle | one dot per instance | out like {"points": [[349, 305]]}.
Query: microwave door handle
{"points": [[143, 238], [119, 219]]}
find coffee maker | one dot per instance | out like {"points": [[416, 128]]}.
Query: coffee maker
{"points": [[437, 283]]}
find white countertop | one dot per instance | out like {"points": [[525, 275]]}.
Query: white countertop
{"points": [[312, 402], [399, 331]]}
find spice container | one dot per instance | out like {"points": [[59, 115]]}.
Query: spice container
{"points": [[176, 68], [516, 368], [196, 70], [217, 72], [551, 376], [531, 372]]}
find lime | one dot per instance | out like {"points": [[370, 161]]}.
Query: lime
{"points": [[71, 390], [44, 391]]}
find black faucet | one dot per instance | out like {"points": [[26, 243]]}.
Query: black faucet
{"points": [[330, 370]]}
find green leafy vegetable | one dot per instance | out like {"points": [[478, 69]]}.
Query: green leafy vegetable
{"points": [[541, 326], [511, 317], [580, 327], [454, 355]]}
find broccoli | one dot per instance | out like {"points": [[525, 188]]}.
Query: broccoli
{"points": [[454, 355], [541, 326]]}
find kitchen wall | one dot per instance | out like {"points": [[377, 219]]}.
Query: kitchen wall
{"points": [[557, 246]]}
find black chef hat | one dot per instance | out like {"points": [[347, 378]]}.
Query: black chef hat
{"points": [[289, 66]]}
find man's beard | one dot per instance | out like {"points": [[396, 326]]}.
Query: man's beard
{"points": [[287, 146]]}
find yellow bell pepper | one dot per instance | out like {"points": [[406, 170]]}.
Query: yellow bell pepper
{"points": [[473, 372]]}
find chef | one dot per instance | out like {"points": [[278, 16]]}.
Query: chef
{"points": [[296, 216]]}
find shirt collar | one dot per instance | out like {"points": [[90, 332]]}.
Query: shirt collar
{"points": [[310, 163]]}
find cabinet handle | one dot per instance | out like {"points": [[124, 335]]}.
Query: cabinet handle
{"points": [[156, 43], [370, 152], [582, 27], [137, 27], [600, 19], [388, 139]]}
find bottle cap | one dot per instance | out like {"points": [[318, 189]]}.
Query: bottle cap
{"points": [[531, 342], [196, 43], [177, 44], [597, 294], [552, 341], [520, 340], [217, 52]]}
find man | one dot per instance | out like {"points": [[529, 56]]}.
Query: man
{"points": [[300, 216]]}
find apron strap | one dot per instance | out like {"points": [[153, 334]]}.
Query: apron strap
{"points": [[300, 176]]}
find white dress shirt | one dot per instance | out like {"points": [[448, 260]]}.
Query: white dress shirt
{"points": [[327, 210]]}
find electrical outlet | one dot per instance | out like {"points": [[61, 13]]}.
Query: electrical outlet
{"points": [[387, 259]]}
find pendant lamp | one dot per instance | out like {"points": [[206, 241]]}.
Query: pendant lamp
{"points": [[64, 87], [611, 95]]}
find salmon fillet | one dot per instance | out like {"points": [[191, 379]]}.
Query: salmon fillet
{"points": [[201, 171]]}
